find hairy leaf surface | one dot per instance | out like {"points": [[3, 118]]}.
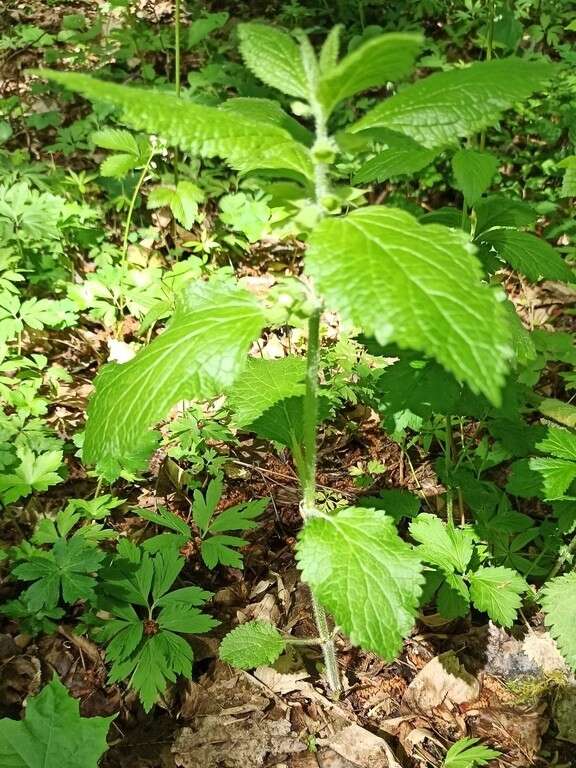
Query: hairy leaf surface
{"points": [[382, 59], [201, 353], [254, 644], [558, 599], [209, 131], [274, 57], [439, 109], [364, 574], [419, 286]]}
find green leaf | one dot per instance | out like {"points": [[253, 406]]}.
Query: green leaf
{"points": [[221, 549], [468, 753], [473, 172], [528, 254], [364, 574], [240, 517], [195, 128], [443, 545], [558, 600], [453, 596], [330, 50], [557, 475], [381, 59], [182, 200], [67, 569], [402, 156], [446, 106], [254, 644], [274, 57], [52, 734], [497, 591], [418, 286], [204, 507], [396, 502], [559, 442], [185, 618], [200, 354], [118, 166], [264, 383], [117, 140], [34, 473]]}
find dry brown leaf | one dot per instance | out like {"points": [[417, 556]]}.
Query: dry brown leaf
{"points": [[281, 683], [541, 648], [234, 742], [361, 748], [442, 681]]}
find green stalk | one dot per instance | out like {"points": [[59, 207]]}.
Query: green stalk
{"points": [[489, 49], [448, 458], [310, 429], [176, 75]]}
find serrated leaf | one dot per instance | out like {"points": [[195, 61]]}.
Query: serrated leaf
{"points": [[268, 111], [200, 354], [240, 517], [497, 591], [418, 286], [364, 574], [528, 254], [52, 734], [557, 475], [382, 59], [208, 131], [182, 200], [254, 644], [264, 383], [473, 172], [66, 570], [559, 442], [185, 618], [443, 545], [117, 140], [274, 57], [402, 156], [34, 473], [453, 596], [330, 50], [558, 600], [222, 549], [468, 753], [118, 166], [446, 106]]}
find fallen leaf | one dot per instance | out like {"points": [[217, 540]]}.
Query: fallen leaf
{"points": [[442, 681], [361, 748]]}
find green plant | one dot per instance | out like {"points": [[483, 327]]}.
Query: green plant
{"points": [[53, 733], [416, 284], [468, 753], [212, 537], [146, 619]]}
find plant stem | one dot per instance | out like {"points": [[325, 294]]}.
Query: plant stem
{"points": [[448, 457], [176, 75], [564, 556], [310, 428], [489, 47]]}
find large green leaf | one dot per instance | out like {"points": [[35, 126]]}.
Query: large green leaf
{"points": [[528, 254], [209, 131], [439, 109], [274, 57], [558, 599], [382, 59], [419, 286], [446, 546], [53, 735], [364, 574], [264, 383], [200, 355]]}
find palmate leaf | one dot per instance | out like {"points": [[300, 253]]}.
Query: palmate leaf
{"points": [[254, 644], [418, 286], [52, 734], [364, 574], [382, 59], [528, 254], [558, 599], [448, 547], [208, 131], [200, 354], [446, 106], [497, 591], [468, 753]]}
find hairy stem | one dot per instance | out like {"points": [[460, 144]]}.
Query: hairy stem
{"points": [[176, 75], [310, 429]]}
